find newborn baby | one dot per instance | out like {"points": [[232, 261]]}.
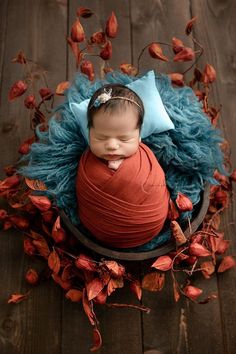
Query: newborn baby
{"points": [[121, 190]]}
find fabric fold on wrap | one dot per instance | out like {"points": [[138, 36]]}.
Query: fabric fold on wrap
{"points": [[122, 208]]}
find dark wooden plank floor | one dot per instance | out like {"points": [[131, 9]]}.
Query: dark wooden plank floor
{"points": [[47, 322]]}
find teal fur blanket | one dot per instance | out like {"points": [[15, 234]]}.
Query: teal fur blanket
{"points": [[189, 154]]}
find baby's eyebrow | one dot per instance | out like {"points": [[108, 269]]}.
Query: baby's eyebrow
{"points": [[124, 136]]}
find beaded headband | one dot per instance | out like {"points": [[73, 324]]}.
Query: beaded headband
{"points": [[106, 96]]}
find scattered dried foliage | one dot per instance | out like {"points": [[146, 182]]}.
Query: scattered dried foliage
{"points": [[84, 278]]}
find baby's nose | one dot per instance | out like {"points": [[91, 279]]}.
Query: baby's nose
{"points": [[112, 144]]}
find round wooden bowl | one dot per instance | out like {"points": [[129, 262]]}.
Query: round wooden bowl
{"points": [[139, 256]]}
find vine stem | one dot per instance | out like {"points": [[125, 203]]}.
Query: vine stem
{"points": [[142, 51], [141, 308], [197, 59]]}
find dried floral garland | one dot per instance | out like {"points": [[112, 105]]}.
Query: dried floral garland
{"points": [[84, 278]]}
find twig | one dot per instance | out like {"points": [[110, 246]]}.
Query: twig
{"points": [[138, 307]]}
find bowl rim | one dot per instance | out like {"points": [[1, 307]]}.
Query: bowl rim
{"points": [[139, 256]]}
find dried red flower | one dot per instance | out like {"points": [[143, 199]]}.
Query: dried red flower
{"points": [[74, 295], [84, 12], [192, 292], [30, 102], [177, 79], [209, 74], [183, 202], [177, 45], [196, 249], [153, 281], [17, 89], [20, 58], [186, 54], [189, 25], [87, 69], [178, 233], [106, 51], [156, 52], [227, 262], [29, 248], [111, 26], [128, 69], [32, 276], [46, 93], [61, 87], [77, 32], [41, 202], [98, 37], [162, 263]]}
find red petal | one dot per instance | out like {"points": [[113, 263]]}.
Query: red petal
{"points": [[162, 263], [153, 281], [41, 202], [54, 262], [226, 263]]}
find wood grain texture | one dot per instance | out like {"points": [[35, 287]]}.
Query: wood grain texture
{"points": [[217, 29], [38, 29], [47, 322]]}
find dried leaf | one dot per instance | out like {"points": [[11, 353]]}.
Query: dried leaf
{"points": [[10, 182], [176, 290], [54, 262], [196, 249], [192, 292], [116, 270], [32, 276], [85, 262], [74, 295], [87, 68], [101, 297], [97, 340], [58, 233], [94, 288], [153, 281], [114, 284], [15, 298], [189, 25], [136, 288], [183, 202], [41, 244], [98, 37], [178, 233], [41, 202], [84, 12], [156, 52], [227, 262], [128, 69], [106, 51], [88, 308], [19, 221], [20, 58], [17, 89], [66, 285], [177, 45], [163, 263], [111, 26], [61, 87], [208, 269], [208, 299], [177, 79], [186, 54], [77, 32]]}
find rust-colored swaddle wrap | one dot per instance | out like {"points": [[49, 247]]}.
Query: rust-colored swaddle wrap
{"points": [[122, 208]]}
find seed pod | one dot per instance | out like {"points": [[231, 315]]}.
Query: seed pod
{"points": [[111, 26]]}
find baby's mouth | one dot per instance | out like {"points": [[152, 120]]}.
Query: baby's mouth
{"points": [[112, 157]]}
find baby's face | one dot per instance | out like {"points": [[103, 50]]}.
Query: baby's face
{"points": [[114, 136]]}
